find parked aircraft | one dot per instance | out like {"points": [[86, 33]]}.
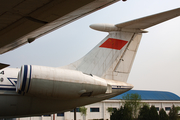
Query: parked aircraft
{"points": [[100, 74]]}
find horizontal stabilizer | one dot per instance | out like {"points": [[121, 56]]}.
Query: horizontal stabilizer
{"points": [[149, 21]]}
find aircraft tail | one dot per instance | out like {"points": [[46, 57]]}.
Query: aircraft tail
{"points": [[113, 57]]}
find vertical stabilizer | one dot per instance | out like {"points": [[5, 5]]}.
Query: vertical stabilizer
{"points": [[112, 58]]}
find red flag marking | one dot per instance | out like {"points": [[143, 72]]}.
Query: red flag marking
{"points": [[114, 43]]}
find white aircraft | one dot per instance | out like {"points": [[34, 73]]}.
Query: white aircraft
{"points": [[99, 75]]}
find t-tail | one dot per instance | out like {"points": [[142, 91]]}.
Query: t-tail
{"points": [[113, 57]]}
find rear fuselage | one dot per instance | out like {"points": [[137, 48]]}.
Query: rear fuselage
{"points": [[16, 104]]}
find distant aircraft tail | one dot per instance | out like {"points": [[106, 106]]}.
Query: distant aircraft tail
{"points": [[113, 57]]}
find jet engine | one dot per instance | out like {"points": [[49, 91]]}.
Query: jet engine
{"points": [[57, 82]]}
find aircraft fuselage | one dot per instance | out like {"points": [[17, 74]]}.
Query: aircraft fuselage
{"points": [[14, 104]]}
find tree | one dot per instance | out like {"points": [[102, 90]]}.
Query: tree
{"points": [[173, 114], [178, 108], [133, 101], [116, 115], [127, 113], [163, 115], [153, 114], [83, 111], [124, 113], [110, 110], [144, 113]]}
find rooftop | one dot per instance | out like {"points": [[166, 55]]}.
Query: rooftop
{"points": [[151, 95]]}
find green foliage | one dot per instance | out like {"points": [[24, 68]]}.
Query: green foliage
{"points": [[153, 114], [83, 110], [124, 113], [127, 113], [178, 108], [147, 113], [173, 114], [133, 101], [144, 113], [110, 110], [163, 115], [116, 114]]}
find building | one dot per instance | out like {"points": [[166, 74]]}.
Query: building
{"points": [[159, 99]]}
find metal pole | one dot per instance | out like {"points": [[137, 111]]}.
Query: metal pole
{"points": [[53, 116], [74, 113]]}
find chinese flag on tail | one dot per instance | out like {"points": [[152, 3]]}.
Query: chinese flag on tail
{"points": [[114, 43]]}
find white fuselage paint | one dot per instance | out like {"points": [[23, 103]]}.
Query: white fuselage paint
{"points": [[14, 104]]}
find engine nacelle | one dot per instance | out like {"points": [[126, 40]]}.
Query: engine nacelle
{"points": [[57, 82]]}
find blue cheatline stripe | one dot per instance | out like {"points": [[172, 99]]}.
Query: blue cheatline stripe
{"points": [[11, 82], [10, 89], [29, 79], [5, 85], [24, 77], [120, 88]]}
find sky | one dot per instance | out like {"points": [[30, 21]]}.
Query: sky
{"points": [[157, 63]]}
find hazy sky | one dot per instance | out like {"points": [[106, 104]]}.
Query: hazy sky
{"points": [[157, 63]]}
